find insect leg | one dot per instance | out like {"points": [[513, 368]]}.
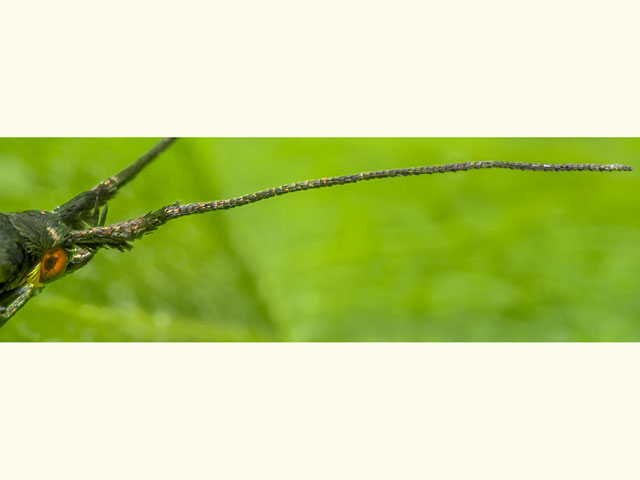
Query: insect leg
{"points": [[24, 294], [79, 258], [103, 215]]}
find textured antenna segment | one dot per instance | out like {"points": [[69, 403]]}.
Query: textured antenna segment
{"points": [[192, 208], [118, 234]]}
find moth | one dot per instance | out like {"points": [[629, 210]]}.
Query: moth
{"points": [[38, 247]]}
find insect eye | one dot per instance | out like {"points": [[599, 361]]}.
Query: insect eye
{"points": [[53, 264]]}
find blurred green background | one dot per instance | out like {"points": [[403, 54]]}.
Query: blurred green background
{"points": [[478, 256]]}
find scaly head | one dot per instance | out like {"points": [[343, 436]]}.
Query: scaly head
{"points": [[38, 247], [32, 254]]}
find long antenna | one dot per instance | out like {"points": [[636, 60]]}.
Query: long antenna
{"points": [[118, 234], [110, 186], [81, 206]]}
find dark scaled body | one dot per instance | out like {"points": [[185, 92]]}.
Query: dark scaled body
{"points": [[25, 238], [38, 247], [13, 257]]}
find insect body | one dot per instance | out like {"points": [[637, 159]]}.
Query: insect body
{"points": [[39, 247]]}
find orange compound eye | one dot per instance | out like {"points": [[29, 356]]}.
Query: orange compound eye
{"points": [[53, 264]]}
